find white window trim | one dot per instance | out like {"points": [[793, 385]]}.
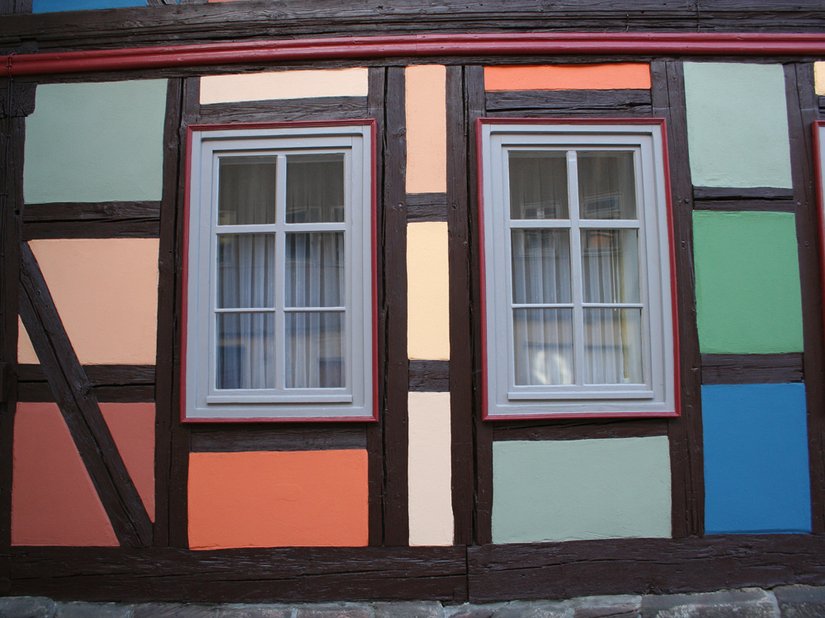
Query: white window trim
{"points": [[356, 400], [502, 399]]}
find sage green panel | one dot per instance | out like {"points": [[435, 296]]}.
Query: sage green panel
{"points": [[737, 125], [747, 282], [95, 142], [581, 489]]}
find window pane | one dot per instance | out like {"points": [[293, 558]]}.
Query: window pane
{"points": [[315, 269], [607, 186], [246, 271], [315, 349], [541, 266], [613, 346], [538, 185], [246, 350], [246, 194], [610, 265], [315, 188], [543, 346]]}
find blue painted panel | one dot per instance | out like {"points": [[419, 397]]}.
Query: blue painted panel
{"points": [[51, 6], [756, 459]]}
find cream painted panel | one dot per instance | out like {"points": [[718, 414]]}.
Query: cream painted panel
{"points": [[819, 77], [106, 292], [428, 302], [25, 350], [426, 112], [284, 85], [430, 498]]}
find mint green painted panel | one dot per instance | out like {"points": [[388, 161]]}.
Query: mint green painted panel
{"points": [[581, 489], [748, 298], [737, 121], [95, 142]]}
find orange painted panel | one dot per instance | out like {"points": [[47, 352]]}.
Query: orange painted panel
{"points": [[278, 499], [133, 429], [53, 499], [628, 75]]}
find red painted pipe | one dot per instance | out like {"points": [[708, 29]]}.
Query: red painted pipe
{"points": [[421, 45]]}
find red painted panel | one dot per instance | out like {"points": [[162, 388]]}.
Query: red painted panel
{"points": [[133, 429], [53, 499], [278, 499]]}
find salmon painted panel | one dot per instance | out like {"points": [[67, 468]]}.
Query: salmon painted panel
{"points": [[53, 499], [615, 76], [278, 499]]}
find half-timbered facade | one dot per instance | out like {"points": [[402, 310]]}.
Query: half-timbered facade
{"points": [[307, 301]]}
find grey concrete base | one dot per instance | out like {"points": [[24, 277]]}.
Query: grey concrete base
{"points": [[784, 602]]}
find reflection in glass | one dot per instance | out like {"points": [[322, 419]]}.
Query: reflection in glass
{"points": [[543, 346], [610, 266], [245, 350], [607, 186], [246, 194], [538, 185], [613, 345], [246, 271], [314, 269], [315, 188], [314, 349], [541, 266]]}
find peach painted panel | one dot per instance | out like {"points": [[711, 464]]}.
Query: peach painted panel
{"points": [[428, 292], [106, 292], [430, 490], [630, 75], [25, 349], [426, 115], [819, 77], [284, 85], [133, 429], [278, 499], [53, 501]]}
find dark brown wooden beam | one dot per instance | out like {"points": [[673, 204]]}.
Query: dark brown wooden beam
{"points": [[296, 18], [570, 102], [376, 98], [110, 383], [16, 98], [325, 108], [429, 376], [717, 194], [580, 429], [642, 566], [171, 436], [393, 313], [12, 140], [426, 207], [72, 392], [235, 438], [91, 220], [685, 432], [752, 368], [249, 575]]}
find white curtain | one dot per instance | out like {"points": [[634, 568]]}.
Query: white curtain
{"points": [[246, 273], [315, 278], [543, 340]]}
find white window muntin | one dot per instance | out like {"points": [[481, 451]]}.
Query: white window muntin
{"points": [[656, 393], [353, 400]]}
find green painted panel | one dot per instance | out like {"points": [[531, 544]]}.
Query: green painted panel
{"points": [[747, 282], [581, 489], [95, 142], [737, 125]]}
